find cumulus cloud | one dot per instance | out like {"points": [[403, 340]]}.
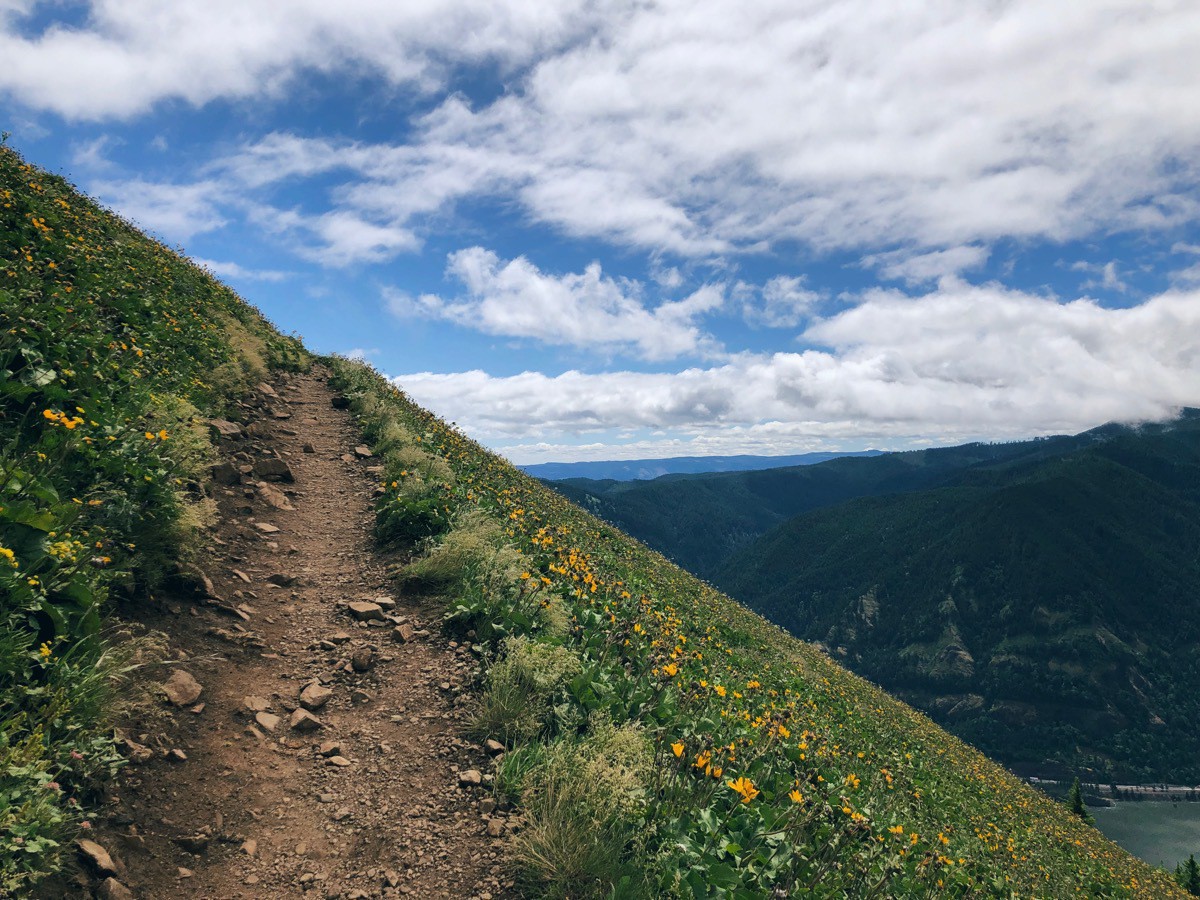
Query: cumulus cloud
{"points": [[918, 268], [128, 55], [957, 363], [585, 309], [700, 127], [175, 211], [783, 302]]}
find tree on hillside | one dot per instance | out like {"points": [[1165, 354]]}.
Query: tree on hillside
{"points": [[1188, 875], [1076, 804]]}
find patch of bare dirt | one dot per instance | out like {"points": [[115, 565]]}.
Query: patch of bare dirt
{"points": [[312, 743]]}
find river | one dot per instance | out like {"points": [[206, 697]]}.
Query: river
{"points": [[1160, 833]]}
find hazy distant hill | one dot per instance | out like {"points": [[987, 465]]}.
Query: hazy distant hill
{"points": [[644, 469], [699, 520]]}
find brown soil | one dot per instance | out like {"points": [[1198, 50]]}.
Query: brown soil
{"points": [[254, 812]]}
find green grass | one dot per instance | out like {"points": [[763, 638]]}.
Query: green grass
{"points": [[114, 348], [772, 768]]}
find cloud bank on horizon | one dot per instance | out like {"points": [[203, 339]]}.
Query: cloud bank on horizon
{"points": [[589, 229]]}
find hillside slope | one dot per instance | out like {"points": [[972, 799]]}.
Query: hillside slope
{"points": [[1045, 611], [656, 738]]}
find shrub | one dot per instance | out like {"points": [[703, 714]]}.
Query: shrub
{"points": [[525, 695], [583, 805]]}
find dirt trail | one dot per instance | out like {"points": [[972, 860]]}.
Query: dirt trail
{"points": [[377, 800]]}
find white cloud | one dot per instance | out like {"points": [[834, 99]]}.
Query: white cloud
{"points": [[225, 269], [175, 211], [783, 302], [700, 127], [1104, 276], [960, 362], [919, 268], [131, 54], [586, 310]]}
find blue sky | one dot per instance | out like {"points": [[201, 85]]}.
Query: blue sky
{"points": [[613, 230]]}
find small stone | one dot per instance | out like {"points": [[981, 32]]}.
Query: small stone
{"points": [[177, 755], [274, 469], [470, 776], [330, 748], [363, 659], [362, 451], [358, 695], [225, 428], [391, 878], [267, 721], [184, 873], [242, 576], [493, 746], [266, 527], [111, 889], [364, 611], [273, 497], [250, 847], [182, 689], [256, 704], [194, 843], [339, 761], [226, 473], [302, 720], [96, 857], [314, 696], [309, 448], [487, 805], [495, 827], [403, 633], [386, 602], [342, 813], [281, 580], [338, 637]]}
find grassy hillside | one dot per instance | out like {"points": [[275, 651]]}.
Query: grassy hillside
{"points": [[699, 521], [662, 740], [113, 351], [1047, 610]]}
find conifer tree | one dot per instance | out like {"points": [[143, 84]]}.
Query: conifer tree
{"points": [[1076, 804], [1188, 875]]}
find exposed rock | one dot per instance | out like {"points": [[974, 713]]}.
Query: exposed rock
{"points": [[362, 451], [182, 689], [493, 746], [302, 720], [226, 473], [241, 576], [330, 748], [256, 704], [111, 889], [226, 429], [194, 843], [338, 637], [403, 633], [487, 805], [363, 659], [267, 721], [358, 695], [365, 612], [339, 761], [282, 580], [177, 755], [273, 468], [495, 827], [314, 696], [96, 857], [273, 496], [269, 391], [250, 847], [309, 448], [470, 776], [266, 527]]}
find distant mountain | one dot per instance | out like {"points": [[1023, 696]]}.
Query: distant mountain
{"points": [[1040, 598], [644, 469], [700, 520], [1041, 609]]}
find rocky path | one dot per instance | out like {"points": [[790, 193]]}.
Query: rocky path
{"points": [[322, 755]]}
